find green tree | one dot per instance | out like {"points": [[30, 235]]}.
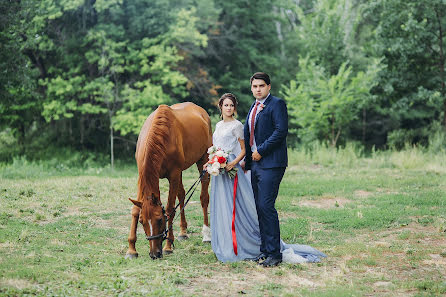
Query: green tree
{"points": [[324, 105], [112, 69], [410, 36], [20, 103], [244, 41]]}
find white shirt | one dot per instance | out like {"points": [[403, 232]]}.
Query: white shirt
{"points": [[254, 145]]}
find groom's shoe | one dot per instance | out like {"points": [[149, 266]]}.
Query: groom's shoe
{"points": [[257, 259], [271, 262]]}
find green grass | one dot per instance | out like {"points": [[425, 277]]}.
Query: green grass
{"points": [[381, 220]]}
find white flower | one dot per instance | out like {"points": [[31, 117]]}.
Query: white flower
{"points": [[216, 166], [214, 172], [220, 153], [211, 150]]}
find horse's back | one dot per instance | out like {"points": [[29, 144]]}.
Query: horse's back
{"points": [[193, 118], [188, 110], [189, 130]]}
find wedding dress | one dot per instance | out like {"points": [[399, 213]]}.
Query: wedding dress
{"points": [[247, 232]]}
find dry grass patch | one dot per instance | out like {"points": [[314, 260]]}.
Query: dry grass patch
{"points": [[16, 283], [362, 194], [324, 202], [252, 281]]}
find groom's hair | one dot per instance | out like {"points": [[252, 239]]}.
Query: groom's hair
{"points": [[261, 75]]}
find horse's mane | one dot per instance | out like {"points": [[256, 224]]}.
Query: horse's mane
{"points": [[155, 148]]}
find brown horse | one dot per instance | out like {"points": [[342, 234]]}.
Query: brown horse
{"points": [[171, 140]]}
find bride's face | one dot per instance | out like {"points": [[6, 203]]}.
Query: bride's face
{"points": [[227, 108]]}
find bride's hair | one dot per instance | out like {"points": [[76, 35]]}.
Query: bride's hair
{"points": [[229, 96]]}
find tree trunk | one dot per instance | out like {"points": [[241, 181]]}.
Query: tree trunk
{"points": [[112, 156], [21, 139], [364, 116], [81, 130], [279, 31], [333, 142], [441, 65]]}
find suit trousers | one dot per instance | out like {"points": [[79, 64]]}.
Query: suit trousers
{"points": [[265, 185]]}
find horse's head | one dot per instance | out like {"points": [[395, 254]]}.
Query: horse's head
{"points": [[153, 219]]}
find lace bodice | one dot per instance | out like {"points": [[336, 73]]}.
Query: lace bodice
{"points": [[226, 136]]}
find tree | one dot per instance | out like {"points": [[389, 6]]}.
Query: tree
{"points": [[410, 36], [20, 103], [244, 41], [114, 71], [324, 105]]}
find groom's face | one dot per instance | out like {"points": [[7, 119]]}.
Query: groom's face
{"points": [[259, 88]]}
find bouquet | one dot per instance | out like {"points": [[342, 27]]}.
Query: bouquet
{"points": [[218, 159]]}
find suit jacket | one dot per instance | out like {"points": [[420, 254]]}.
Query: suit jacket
{"points": [[270, 132]]}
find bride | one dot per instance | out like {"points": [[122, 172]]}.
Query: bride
{"points": [[235, 232]]}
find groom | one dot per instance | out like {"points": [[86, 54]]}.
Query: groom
{"points": [[266, 129]]}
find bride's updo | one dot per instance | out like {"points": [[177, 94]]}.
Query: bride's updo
{"points": [[231, 97]]}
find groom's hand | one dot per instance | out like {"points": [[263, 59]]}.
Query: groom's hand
{"points": [[242, 164], [256, 156]]}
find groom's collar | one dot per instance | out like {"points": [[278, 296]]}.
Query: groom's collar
{"points": [[264, 99]]}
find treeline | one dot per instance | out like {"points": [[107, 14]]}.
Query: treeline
{"points": [[82, 75]]}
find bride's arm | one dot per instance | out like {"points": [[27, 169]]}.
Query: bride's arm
{"points": [[239, 157]]}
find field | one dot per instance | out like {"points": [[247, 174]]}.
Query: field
{"points": [[380, 219]]}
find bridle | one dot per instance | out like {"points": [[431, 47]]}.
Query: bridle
{"points": [[163, 234]]}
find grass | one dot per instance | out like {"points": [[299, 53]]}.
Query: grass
{"points": [[381, 220]]}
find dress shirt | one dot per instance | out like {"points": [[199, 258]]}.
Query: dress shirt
{"points": [[254, 145]]}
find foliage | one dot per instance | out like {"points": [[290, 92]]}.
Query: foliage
{"points": [[323, 105], [86, 74], [412, 88], [20, 104], [244, 41]]}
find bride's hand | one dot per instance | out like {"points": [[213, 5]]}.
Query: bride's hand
{"points": [[205, 166], [230, 166]]}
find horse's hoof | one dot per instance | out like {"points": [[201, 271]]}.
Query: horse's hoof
{"points": [[168, 252], [131, 256], [182, 237]]}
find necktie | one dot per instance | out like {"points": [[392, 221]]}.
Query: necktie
{"points": [[253, 118]]}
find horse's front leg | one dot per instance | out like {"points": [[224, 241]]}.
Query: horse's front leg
{"points": [[183, 222], [174, 181], [204, 199], [131, 252]]}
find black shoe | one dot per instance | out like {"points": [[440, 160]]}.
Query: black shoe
{"points": [[270, 262], [257, 259]]}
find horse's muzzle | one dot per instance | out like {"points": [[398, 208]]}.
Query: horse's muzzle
{"points": [[156, 255]]}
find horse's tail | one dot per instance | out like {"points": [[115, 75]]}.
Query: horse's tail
{"points": [[154, 152]]}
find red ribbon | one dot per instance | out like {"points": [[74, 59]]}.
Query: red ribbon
{"points": [[234, 238]]}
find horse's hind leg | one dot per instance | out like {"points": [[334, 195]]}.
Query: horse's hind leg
{"points": [[183, 223], [204, 198], [131, 252]]}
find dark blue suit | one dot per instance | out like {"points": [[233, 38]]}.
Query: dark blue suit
{"points": [[271, 129]]}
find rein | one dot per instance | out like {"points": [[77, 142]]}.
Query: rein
{"points": [[166, 217]]}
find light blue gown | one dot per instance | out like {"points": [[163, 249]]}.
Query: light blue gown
{"points": [[226, 137]]}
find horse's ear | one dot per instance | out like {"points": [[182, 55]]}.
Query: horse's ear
{"points": [[137, 203]]}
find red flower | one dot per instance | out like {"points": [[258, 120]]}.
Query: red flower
{"points": [[221, 160]]}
